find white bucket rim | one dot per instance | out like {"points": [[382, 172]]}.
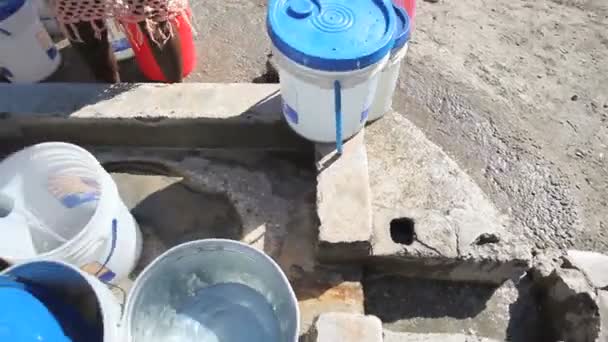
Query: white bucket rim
{"points": [[105, 185], [144, 275]]}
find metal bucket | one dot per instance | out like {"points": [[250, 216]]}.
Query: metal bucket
{"points": [[212, 290]]}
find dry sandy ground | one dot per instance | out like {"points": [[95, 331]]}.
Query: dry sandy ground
{"points": [[516, 91]]}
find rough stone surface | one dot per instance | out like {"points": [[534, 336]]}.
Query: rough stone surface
{"points": [[167, 115], [332, 327], [509, 312], [391, 336], [593, 265], [266, 196], [458, 233], [571, 307], [344, 201]]}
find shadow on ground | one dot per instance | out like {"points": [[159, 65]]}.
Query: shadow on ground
{"points": [[506, 313]]}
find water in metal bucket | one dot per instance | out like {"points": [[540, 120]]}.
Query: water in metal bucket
{"points": [[211, 291]]}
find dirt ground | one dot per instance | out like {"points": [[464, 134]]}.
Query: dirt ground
{"points": [[514, 90]]}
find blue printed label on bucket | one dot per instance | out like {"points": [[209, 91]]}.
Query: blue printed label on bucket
{"points": [[52, 52], [100, 271], [120, 45], [290, 113], [73, 191], [364, 115]]}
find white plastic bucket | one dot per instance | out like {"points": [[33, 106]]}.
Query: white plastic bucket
{"points": [[88, 293], [387, 84], [27, 53], [176, 283], [64, 189], [309, 98]]}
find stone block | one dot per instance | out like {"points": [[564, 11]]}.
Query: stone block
{"points": [[571, 306], [390, 336], [332, 327], [431, 220], [344, 201], [594, 265], [187, 115]]}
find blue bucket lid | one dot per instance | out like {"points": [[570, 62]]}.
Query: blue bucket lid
{"points": [[18, 309], [402, 30], [332, 35], [9, 7]]}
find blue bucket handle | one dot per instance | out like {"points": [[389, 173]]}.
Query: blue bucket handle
{"points": [[5, 32], [112, 247], [338, 104]]}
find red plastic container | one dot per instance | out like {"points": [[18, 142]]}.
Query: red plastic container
{"points": [[410, 8], [145, 59]]}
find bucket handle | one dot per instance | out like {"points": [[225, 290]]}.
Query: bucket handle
{"points": [[338, 106], [5, 32], [112, 247], [103, 266]]}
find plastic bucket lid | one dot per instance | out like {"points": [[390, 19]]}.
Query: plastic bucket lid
{"points": [[9, 7], [19, 307], [332, 35], [402, 29]]}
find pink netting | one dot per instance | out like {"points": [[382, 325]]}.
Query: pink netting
{"points": [[95, 12]]}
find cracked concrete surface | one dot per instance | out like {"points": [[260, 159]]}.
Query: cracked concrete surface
{"points": [[453, 219]]}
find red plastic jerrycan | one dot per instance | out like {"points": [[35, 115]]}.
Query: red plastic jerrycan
{"points": [[144, 57]]}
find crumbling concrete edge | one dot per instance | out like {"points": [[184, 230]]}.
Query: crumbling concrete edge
{"points": [[573, 294]]}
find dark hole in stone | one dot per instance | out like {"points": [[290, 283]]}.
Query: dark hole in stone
{"points": [[402, 230]]}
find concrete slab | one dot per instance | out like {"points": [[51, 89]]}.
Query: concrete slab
{"points": [[391, 336], [593, 265], [430, 218], [331, 327], [169, 115], [422, 306], [344, 201]]}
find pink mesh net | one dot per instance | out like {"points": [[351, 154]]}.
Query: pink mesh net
{"points": [[94, 12]]}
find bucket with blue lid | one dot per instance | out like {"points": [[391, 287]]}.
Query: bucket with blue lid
{"points": [[329, 54], [65, 303], [390, 74], [27, 52]]}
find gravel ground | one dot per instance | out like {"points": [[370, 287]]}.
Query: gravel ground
{"points": [[513, 90]]}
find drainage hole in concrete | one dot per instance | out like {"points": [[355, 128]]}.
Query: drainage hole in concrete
{"points": [[402, 230]]}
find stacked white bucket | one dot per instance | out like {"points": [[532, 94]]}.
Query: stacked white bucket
{"points": [[389, 76], [330, 55], [27, 53]]}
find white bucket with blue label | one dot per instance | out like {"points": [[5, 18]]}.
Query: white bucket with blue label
{"points": [[27, 53], [60, 204], [387, 84], [329, 54]]}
